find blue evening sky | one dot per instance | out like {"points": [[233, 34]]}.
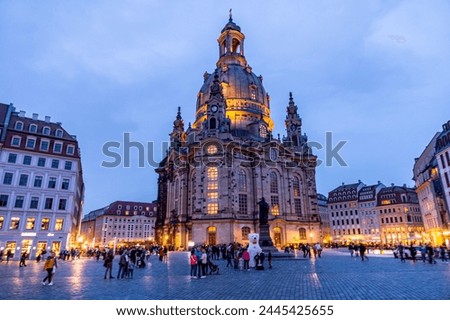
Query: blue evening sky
{"points": [[374, 73]]}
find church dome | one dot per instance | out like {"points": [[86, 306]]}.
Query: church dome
{"points": [[247, 102]]}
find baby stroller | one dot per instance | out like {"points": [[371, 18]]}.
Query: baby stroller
{"points": [[213, 268]]}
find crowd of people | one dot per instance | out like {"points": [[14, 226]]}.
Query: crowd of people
{"points": [[428, 253]]}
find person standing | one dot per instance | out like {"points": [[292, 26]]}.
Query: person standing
{"points": [[198, 253], [442, 252], [413, 252], [123, 264], [423, 252], [430, 253], [269, 259], [108, 263], [193, 264], [204, 261], [246, 258]]}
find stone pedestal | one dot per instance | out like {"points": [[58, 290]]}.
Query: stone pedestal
{"points": [[266, 244]]}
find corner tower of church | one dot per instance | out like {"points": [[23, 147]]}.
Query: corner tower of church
{"points": [[217, 171]]}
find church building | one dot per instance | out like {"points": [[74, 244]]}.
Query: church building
{"points": [[217, 170]]}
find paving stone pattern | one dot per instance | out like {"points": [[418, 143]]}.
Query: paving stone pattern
{"points": [[335, 276]]}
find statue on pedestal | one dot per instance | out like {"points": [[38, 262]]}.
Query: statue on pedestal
{"points": [[263, 212]]}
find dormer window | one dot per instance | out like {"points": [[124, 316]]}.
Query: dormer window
{"points": [[59, 133], [46, 131], [19, 125], [33, 128]]}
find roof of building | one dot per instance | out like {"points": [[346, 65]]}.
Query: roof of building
{"points": [[21, 126], [124, 208]]}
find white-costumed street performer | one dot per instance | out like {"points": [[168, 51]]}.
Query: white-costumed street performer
{"points": [[253, 248]]}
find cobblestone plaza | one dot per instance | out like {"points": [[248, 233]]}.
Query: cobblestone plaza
{"points": [[335, 276]]}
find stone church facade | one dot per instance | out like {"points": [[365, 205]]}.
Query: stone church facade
{"points": [[219, 168]]}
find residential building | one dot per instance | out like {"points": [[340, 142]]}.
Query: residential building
{"points": [[443, 163], [41, 184], [120, 223], [344, 217], [399, 215], [431, 194], [367, 209]]}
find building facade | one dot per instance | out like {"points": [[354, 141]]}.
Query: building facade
{"points": [[443, 164], [367, 206], [431, 193], [322, 202], [220, 167], [399, 216], [41, 186], [120, 223], [344, 216]]}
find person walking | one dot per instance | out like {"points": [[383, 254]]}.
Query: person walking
{"points": [[23, 258], [49, 267], [362, 252], [108, 263], [401, 252], [430, 254], [317, 250], [351, 249]]}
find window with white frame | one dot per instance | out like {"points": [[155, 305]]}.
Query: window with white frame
{"points": [[31, 143], [15, 141]]}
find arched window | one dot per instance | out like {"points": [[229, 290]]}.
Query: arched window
{"points": [[212, 235], [235, 45], [33, 128], [212, 123], [262, 131], [212, 187], [242, 181], [19, 125], [273, 180], [245, 233], [302, 234], [296, 186]]}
